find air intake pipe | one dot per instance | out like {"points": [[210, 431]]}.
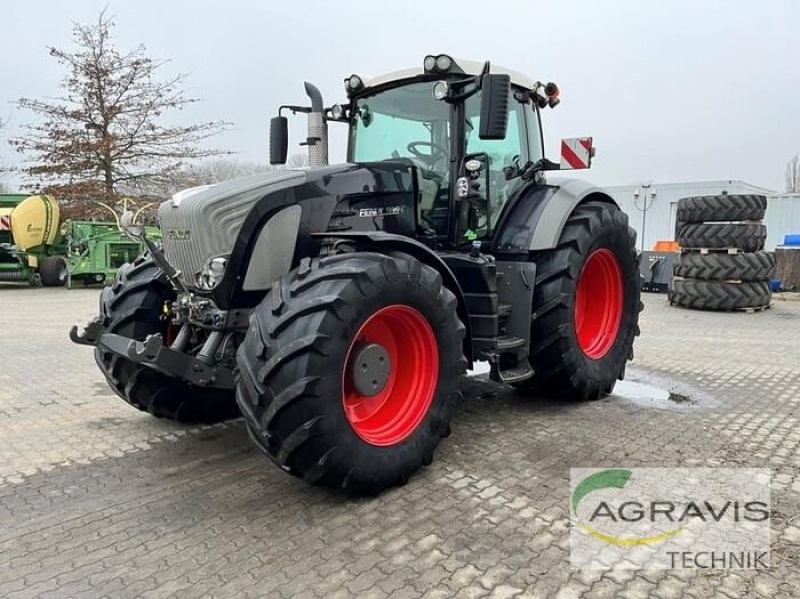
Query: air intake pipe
{"points": [[317, 129]]}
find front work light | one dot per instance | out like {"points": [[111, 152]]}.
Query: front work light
{"points": [[439, 64], [444, 62], [353, 84], [440, 90]]}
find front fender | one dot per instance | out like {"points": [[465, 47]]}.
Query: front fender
{"points": [[389, 242]]}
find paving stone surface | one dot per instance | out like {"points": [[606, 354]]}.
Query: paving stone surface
{"points": [[99, 500]]}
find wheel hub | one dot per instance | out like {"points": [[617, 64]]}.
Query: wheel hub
{"points": [[387, 401], [371, 368]]}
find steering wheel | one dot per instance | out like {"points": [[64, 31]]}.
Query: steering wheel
{"points": [[436, 150]]}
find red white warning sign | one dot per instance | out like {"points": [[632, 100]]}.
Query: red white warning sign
{"points": [[5, 222], [576, 153]]}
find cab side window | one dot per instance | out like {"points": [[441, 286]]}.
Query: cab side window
{"points": [[502, 153]]}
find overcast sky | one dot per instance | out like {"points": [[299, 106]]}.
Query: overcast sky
{"points": [[671, 91]]}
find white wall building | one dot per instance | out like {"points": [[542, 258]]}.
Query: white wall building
{"points": [[652, 207]]}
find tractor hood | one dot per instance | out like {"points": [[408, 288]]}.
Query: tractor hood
{"points": [[199, 225], [265, 224]]}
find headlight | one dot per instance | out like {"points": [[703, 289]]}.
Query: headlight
{"points": [[440, 90], [337, 111], [212, 272]]}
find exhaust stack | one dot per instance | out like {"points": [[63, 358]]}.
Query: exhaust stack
{"points": [[317, 141]]}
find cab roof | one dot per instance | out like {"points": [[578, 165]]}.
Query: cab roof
{"points": [[470, 67]]}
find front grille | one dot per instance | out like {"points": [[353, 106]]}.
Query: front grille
{"points": [[205, 224]]}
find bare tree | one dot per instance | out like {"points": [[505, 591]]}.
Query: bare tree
{"points": [[793, 175], [105, 131], [204, 172]]}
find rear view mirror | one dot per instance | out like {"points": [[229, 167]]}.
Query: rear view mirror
{"points": [[576, 153], [278, 139], [495, 92]]}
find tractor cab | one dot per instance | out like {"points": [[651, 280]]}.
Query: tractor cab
{"points": [[471, 131]]}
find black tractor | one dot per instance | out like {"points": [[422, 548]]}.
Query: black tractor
{"points": [[338, 307]]}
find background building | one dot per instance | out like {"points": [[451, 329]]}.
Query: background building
{"points": [[652, 207]]}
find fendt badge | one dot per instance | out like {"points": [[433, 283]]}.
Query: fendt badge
{"points": [[178, 234], [387, 211]]}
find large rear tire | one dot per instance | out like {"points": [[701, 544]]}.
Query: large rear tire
{"points": [[349, 373], [745, 266], [133, 307], [719, 295], [701, 209], [586, 305], [745, 237]]}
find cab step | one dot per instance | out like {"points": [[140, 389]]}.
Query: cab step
{"points": [[522, 372], [508, 342]]}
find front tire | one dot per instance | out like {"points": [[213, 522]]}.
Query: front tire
{"points": [[306, 402], [133, 307], [586, 305]]}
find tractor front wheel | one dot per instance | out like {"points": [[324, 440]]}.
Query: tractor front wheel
{"points": [[350, 370], [133, 306], [586, 305]]}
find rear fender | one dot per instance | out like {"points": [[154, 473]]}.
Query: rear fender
{"points": [[538, 216], [398, 243]]}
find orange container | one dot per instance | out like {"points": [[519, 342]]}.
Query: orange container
{"points": [[665, 246]]}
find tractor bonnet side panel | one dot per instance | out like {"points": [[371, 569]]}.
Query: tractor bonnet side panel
{"points": [[205, 224]]}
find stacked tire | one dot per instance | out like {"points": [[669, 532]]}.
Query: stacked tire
{"points": [[722, 265]]}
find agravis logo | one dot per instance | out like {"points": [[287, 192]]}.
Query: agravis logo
{"points": [[604, 480], [662, 517]]}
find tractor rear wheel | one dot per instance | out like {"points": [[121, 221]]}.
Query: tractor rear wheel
{"points": [[350, 371], [53, 271], [586, 306], [134, 307]]}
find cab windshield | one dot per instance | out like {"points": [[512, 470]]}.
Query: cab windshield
{"points": [[406, 123], [409, 125]]}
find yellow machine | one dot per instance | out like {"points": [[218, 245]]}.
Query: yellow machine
{"points": [[34, 222], [30, 240]]}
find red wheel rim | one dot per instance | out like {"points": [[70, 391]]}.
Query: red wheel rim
{"points": [[397, 410], [598, 304]]}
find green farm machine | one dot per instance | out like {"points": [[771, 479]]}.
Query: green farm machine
{"points": [[36, 247], [96, 250]]}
